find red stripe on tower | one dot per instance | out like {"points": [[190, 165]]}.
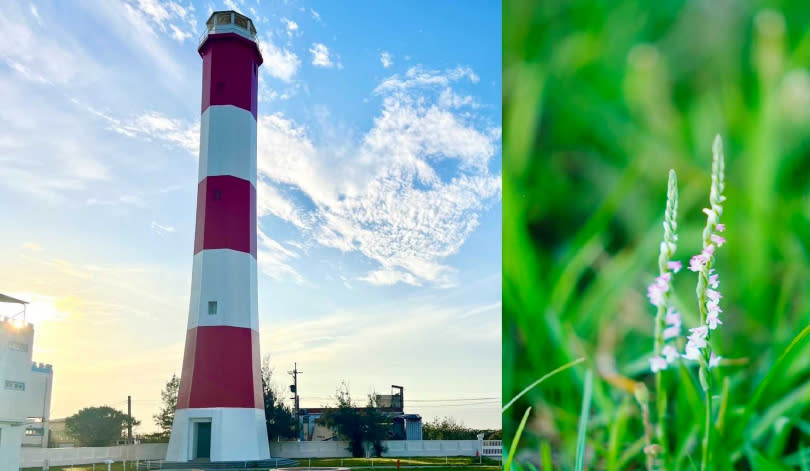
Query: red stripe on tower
{"points": [[226, 215], [230, 71], [223, 365]]}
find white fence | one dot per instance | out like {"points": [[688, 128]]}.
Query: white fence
{"points": [[338, 449], [36, 457], [492, 448]]}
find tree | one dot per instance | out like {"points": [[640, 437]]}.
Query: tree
{"points": [[98, 426], [448, 429], [168, 397], [359, 426], [279, 416]]}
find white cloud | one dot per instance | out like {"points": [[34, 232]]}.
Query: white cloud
{"points": [[386, 59], [35, 12], [278, 62], [291, 25], [178, 34], [390, 277], [156, 126], [32, 246], [161, 229], [231, 5], [380, 195], [315, 15], [169, 16], [320, 55], [449, 99], [272, 259], [419, 77]]}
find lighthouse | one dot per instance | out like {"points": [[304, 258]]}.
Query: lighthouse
{"points": [[220, 406]]}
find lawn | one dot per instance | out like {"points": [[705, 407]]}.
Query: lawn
{"points": [[409, 461], [454, 463]]}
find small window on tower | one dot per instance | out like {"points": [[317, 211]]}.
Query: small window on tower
{"points": [[224, 18], [217, 195], [212, 308]]}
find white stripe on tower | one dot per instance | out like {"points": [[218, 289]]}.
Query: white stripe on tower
{"points": [[227, 277], [227, 135]]}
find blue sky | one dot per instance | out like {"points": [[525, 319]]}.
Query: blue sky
{"points": [[379, 194]]}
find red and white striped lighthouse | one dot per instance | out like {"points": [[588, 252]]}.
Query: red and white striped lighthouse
{"points": [[220, 407]]}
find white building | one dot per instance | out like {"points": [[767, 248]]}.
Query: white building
{"points": [[37, 405], [25, 390]]}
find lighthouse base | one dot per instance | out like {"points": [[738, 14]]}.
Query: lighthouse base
{"points": [[218, 434]]}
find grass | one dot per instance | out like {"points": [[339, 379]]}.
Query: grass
{"points": [[404, 461], [601, 99], [451, 463], [118, 466]]}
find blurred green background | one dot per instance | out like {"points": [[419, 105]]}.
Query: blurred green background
{"points": [[601, 99]]}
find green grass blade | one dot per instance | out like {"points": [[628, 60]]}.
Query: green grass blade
{"points": [[803, 458], [545, 456], [617, 430], [776, 368], [583, 420], [762, 462], [512, 449], [545, 377]]}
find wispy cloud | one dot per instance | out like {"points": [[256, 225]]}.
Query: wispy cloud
{"points": [[279, 62], [381, 196], [156, 126], [291, 25], [320, 55], [386, 59], [161, 229], [272, 259], [420, 77]]}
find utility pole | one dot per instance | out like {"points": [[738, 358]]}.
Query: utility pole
{"points": [[129, 420], [294, 389]]}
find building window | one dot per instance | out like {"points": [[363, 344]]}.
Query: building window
{"points": [[18, 346], [15, 385], [33, 432], [212, 308], [217, 195]]}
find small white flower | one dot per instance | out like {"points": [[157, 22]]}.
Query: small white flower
{"points": [[657, 364], [692, 352], [714, 360], [675, 266], [714, 279], [670, 353], [673, 320], [712, 320], [713, 295]]}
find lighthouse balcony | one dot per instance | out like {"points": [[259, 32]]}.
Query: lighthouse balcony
{"points": [[229, 22]]}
